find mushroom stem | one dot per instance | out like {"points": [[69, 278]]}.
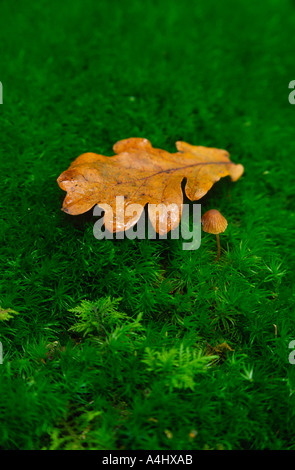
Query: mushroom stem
{"points": [[218, 247]]}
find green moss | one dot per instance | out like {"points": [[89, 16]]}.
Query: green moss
{"points": [[79, 76]]}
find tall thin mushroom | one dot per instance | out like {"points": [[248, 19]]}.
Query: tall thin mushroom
{"points": [[214, 222]]}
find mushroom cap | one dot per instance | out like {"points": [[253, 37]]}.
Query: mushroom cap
{"points": [[214, 222]]}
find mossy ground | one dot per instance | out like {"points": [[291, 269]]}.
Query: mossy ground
{"points": [[78, 76]]}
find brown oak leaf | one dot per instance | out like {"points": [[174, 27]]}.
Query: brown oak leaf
{"points": [[141, 174]]}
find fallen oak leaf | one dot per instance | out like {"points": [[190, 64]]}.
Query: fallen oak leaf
{"points": [[143, 174]]}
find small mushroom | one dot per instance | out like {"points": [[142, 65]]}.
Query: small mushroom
{"points": [[214, 222]]}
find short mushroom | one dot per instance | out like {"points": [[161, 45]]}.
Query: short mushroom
{"points": [[214, 222]]}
